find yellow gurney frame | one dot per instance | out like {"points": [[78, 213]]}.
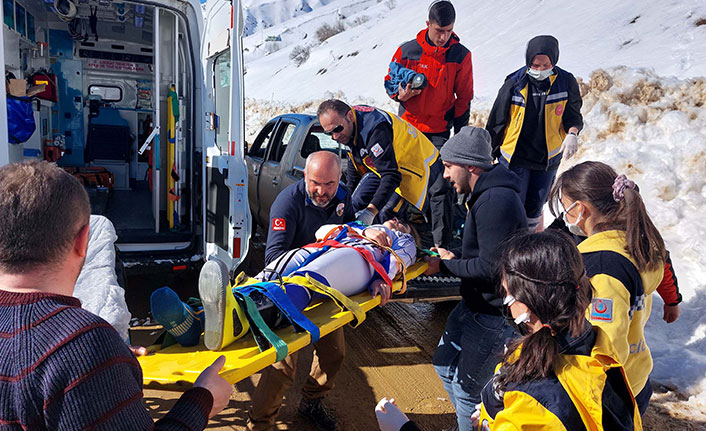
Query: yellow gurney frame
{"points": [[176, 368]]}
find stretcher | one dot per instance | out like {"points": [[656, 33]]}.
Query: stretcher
{"points": [[176, 367]]}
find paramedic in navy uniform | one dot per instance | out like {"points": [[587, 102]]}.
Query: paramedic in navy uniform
{"points": [[297, 212]]}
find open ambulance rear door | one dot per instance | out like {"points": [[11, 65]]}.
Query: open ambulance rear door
{"points": [[227, 219]]}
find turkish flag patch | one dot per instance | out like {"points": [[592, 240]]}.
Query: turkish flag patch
{"points": [[279, 224]]}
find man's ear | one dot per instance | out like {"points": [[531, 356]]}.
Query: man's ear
{"points": [[81, 240], [427, 23]]}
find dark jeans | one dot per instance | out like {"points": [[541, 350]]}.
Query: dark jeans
{"points": [[534, 189], [397, 207], [465, 360]]}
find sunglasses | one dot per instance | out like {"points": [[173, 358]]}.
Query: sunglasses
{"points": [[337, 129]]}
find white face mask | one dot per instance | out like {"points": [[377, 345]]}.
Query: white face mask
{"points": [[522, 318], [574, 227], [540, 75]]}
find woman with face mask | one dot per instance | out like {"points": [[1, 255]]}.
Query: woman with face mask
{"points": [[543, 379], [535, 121], [624, 255], [563, 373]]}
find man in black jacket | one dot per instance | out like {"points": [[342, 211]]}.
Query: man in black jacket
{"points": [[476, 330], [535, 121]]}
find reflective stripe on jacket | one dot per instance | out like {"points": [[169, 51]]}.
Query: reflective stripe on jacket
{"points": [[553, 111]]}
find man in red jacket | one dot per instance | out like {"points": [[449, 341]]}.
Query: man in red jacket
{"points": [[437, 53], [445, 100]]}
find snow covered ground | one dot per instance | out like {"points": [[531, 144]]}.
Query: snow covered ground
{"points": [[641, 66]]}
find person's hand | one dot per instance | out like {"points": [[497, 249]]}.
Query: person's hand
{"points": [[671, 313], [570, 145], [217, 385], [443, 253], [378, 236], [138, 350], [475, 417], [379, 287], [365, 216], [390, 417], [432, 265], [406, 93]]}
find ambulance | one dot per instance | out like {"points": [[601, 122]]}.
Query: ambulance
{"points": [[142, 101]]}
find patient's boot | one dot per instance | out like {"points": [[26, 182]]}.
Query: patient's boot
{"points": [[181, 320], [225, 321]]}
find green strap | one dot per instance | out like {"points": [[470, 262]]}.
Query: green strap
{"points": [[279, 345]]}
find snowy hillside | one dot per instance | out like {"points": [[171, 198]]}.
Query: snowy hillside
{"points": [[641, 66]]}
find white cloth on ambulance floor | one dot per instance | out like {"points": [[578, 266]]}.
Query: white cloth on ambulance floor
{"points": [[97, 285]]}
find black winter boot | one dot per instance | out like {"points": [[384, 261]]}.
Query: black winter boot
{"points": [[316, 412]]}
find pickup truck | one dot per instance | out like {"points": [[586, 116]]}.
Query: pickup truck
{"points": [[276, 159]]}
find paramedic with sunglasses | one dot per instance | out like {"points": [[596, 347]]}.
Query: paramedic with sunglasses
{"points": [[391, 164]]}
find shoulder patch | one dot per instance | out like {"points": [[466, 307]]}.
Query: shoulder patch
{"points": [[602, 309], [339, 209], [363, 108], [279, 224], [377, 150]]}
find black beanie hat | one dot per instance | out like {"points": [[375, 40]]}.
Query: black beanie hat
{"points": [[545, 44]]}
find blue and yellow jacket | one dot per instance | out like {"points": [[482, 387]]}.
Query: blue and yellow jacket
{"points": [[589, 391], [561, 111], [622, 300], [395, 151]]}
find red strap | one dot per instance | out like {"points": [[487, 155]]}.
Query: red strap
{"points": [[363, 252]]}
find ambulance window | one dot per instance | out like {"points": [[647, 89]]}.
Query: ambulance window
{"points": [[106, 93], [8, 7], [221, 77]]}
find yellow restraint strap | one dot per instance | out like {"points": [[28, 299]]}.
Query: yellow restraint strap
{"points": [[340, 299]]}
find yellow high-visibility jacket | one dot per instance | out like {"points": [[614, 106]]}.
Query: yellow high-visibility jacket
{"points": [[554, 107], [589, 391], [414, 153], [622, 300]]}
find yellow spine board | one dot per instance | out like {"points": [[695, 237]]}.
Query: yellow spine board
{"points": [[176, 368]]}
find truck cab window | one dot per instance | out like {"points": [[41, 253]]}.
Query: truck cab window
{"points": [[285, 130], [262, 141]]}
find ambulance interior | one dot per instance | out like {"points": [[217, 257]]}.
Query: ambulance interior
{"points": [[117, 108]]}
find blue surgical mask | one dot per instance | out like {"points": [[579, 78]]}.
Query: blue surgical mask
{"points": [[540, 75]]}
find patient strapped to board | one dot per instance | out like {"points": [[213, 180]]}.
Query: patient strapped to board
{"points": [[340, 264]]}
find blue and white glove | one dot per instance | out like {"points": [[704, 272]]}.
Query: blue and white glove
{"points": [[365, 216]]}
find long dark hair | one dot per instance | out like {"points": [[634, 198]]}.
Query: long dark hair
{"points": [[545, 272], [593, 182]]}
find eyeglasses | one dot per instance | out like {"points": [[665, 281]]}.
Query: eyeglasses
{"points": [[337, 129]]}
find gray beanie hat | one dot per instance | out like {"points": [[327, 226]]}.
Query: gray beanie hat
{"points": [[470, 147]]}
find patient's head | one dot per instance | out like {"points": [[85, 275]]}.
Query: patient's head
{"points": [[395, 224], [404, 227]]}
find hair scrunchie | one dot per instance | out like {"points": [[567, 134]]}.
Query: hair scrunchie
{"points": [[620, 184]]}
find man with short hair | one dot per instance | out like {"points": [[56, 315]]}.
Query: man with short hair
{"points": [[436, 52], [390, 164], [445, 101], [296, 214], [63, 368], [535, 122], [476, 330]]}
